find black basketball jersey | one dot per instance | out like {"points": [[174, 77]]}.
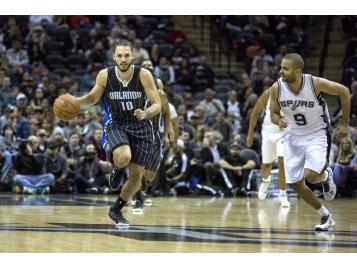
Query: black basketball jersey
{"points": [[120, 98]]}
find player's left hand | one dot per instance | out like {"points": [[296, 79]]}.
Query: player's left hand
{"points": [[140, 114], [166, 141], [343, 130], [171, 134]]}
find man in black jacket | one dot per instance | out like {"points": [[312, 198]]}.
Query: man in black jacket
{"points": [[29, 167], [211, 154]]}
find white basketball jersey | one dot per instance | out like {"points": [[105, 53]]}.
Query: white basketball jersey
{"points": [[267, 123], [304, 111]]}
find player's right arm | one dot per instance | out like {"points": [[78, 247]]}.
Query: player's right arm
{"points": [[275, 116], [97, 91], [254, 115]]}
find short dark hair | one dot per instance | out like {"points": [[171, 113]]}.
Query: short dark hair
{"points": [[124, 43], [296, 59]]}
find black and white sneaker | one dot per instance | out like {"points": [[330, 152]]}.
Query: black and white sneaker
{"points": [[329, 187], [146, 200], [138, 207], [118, 218], [326, 224], [115, 178]]}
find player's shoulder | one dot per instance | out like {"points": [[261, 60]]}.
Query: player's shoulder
{"points": [[104, 72], [273, 90], [144, 72]]}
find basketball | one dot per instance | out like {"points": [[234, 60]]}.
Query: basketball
{"points": [[66, 107]]}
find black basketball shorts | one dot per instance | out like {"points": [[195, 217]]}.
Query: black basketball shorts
{"points": [[137, 134], [156, 156]]}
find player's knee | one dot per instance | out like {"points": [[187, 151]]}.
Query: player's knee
{"points": [[297, 186], [121, 158], [312, 176]]}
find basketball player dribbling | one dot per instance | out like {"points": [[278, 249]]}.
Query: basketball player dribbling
{"points": [[272, 148], [128, 134], [307, 139]]}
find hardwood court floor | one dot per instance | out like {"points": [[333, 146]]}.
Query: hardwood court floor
{"points": [[79, 223]]}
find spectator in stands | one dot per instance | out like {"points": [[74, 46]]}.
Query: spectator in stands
{"points": [[37, 36], [8, 140], [346, 161], [72, 42], [41, 19], [97, 54], [101, 155], [211, 154], [42, 140], [177, 171], [239, 165], [91, 123], [5, 167], [56, 164], [175, 34], [73, 151], [223, 127], [203, 76], [211, 104], [266, 61], [58, 138], [90, 42], [140, 53], [142, 29], [5, 91], [183, 73], [17, 55], [36, 102], [70, 127], [22, 124], [5, 117], [175, 99], [90, 176], [29, 166], [165, 71], [232, 107]]}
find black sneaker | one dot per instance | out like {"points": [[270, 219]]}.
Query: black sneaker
{"points": [[118, 218], [115, 178], [326, 224]]}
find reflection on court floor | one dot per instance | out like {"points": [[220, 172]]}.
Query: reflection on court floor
{"points": [[79, 223]]}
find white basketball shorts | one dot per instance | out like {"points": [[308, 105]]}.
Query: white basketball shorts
{"points": [[272, 145], [309, 151]]}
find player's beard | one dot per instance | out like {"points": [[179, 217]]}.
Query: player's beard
{"points": [[123, 70]]}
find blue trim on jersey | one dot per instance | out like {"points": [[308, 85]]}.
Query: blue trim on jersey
{"points": [[161, 134], [107, 117]]}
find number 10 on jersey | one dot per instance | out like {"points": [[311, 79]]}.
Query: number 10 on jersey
{"points": [[127, 106]]}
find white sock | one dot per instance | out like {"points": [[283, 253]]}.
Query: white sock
{"points": [[266, 180], [282, 192], [326, 176], [323, 211]]}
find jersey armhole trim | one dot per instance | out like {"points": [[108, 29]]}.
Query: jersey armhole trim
{"points": [[313, 89], [278, 96]]}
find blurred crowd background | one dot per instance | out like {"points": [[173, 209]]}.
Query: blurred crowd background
{"points": [[212, 83]]}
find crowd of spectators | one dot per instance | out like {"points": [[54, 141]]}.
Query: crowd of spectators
{"points": [[42, 57]]}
